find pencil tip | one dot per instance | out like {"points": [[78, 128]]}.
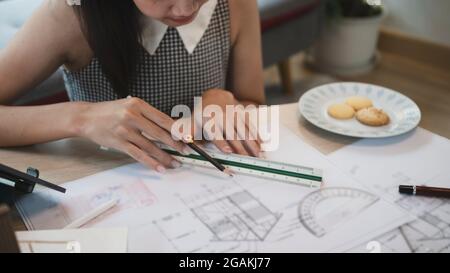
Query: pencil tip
{"points": [[229, 172]]}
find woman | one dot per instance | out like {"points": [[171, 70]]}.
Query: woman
{"points": [[126, 63]]}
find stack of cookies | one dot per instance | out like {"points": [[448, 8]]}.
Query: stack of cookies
{"points": [[362, 108]]}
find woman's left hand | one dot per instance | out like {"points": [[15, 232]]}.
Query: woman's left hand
{"points": [[235, 132]]}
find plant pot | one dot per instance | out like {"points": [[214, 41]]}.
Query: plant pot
{"points": [[347, 46]]}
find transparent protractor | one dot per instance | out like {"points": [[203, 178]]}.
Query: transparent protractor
{"points": [[324, 210]]}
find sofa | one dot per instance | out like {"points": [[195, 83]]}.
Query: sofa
{"points": [[288, 26]]}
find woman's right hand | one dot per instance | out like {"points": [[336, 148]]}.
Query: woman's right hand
{"points": [[122, 124]]}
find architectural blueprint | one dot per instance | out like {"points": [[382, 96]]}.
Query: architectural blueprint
{"points": [[418, 158], [194, 209]]}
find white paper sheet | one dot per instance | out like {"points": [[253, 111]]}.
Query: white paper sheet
{"points": [[417, 158], [111, 240], [193, 209]]}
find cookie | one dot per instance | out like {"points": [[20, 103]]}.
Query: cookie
{"points": [[359, 103], [341, 111], [372, 117]]}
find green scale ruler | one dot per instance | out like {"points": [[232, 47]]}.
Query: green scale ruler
{"points": [[262, 168]]}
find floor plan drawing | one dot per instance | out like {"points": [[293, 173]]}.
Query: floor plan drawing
{"points": [[429, 229], [194, 209], [238, 217], [430, 233], [234, 218]]}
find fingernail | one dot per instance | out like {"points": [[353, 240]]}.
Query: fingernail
{"points": [[227, 149], [160, 169], [187, 151], [176, 164]]}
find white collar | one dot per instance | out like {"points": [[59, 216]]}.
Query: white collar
{"points": [[191, 34]]}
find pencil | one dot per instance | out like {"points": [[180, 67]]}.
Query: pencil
{"points": [[425, 191], [92, 214], [190, 142]]}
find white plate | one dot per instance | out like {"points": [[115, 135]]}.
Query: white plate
{"points": [[405, 115]]}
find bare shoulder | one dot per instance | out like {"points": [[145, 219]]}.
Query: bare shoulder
{"points": [[66, 23], [59, 9], [243, 6], [61, 16], [243, 12]]}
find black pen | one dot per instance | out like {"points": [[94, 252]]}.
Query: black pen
{"points": [[190, 142], [424, 191]]}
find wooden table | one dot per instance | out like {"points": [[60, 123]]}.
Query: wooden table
{"points": [[70, 159]]}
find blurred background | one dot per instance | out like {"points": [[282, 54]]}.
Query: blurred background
{"points": [[400, 44]]}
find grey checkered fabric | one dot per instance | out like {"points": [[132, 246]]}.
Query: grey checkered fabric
{"points": [[171, 76]]}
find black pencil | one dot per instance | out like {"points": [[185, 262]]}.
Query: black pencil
{"points": [[190, 142]]}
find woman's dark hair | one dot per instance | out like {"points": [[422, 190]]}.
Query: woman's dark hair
{"points": [[113, 31]]}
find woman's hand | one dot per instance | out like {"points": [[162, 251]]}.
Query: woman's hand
{"points": [[237, 133], [122, 124]]}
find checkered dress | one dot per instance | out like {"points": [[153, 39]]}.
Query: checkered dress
{"points": [[171, 76]]}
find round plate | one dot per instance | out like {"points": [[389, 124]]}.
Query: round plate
{"points": [[404, 114]]}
